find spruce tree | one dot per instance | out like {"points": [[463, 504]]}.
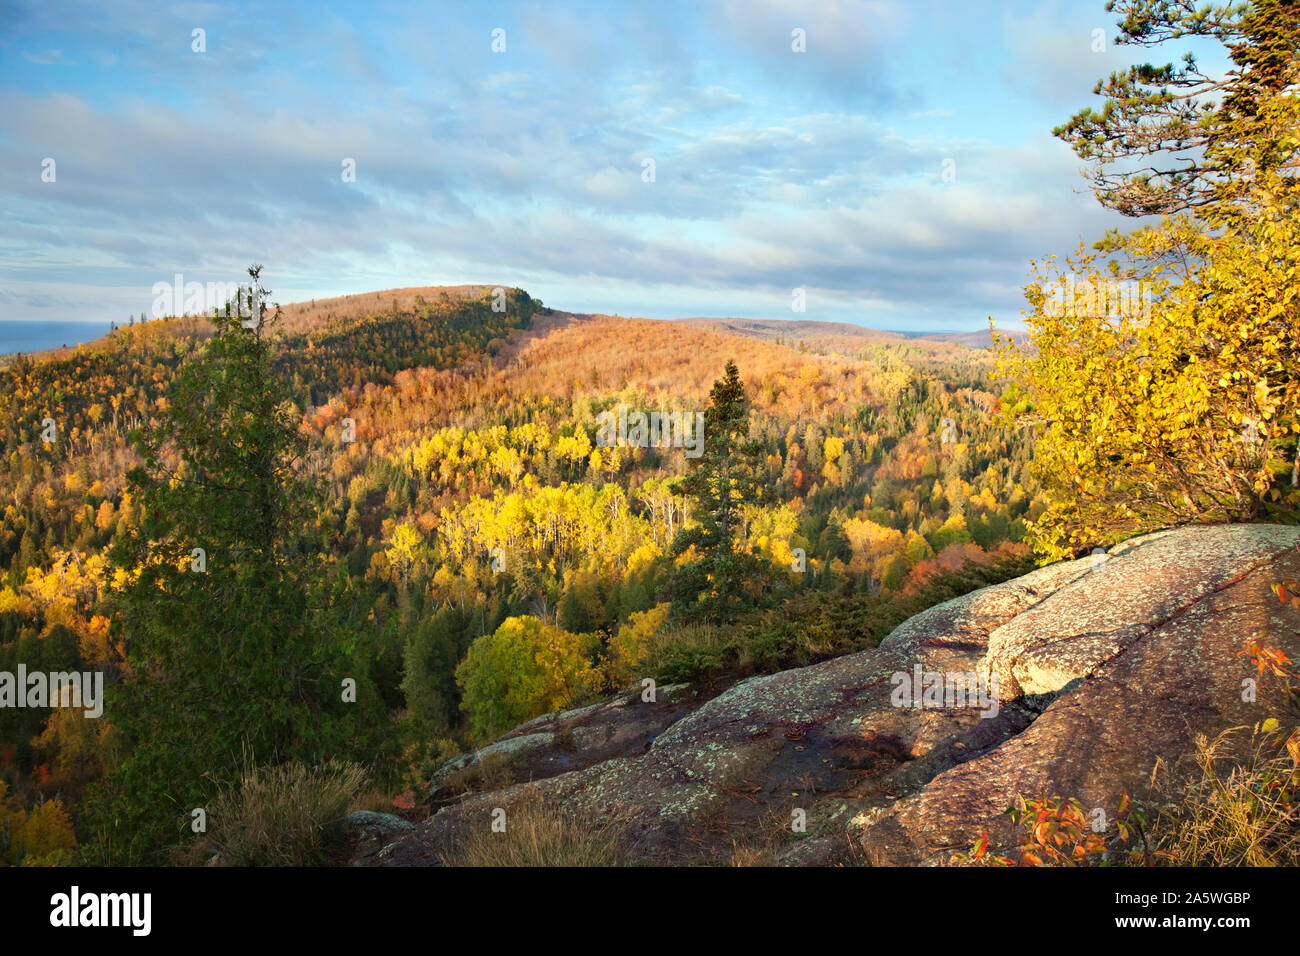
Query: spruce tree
{"points": [[722, 580]]}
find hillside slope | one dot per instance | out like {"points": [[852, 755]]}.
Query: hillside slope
{"points": [[846, 337]]}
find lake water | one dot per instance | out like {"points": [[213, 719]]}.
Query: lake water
{"points": [[22, 336]]}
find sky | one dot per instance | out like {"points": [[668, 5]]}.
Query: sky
{"points": [[900, 170]]}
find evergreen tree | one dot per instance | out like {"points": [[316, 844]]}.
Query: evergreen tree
{"points": [[573, 612], [1193, 141], [725, 478], [225, 649], [430, 657]]}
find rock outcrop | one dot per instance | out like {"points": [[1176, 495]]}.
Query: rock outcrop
{"points": [[1072, 680]]}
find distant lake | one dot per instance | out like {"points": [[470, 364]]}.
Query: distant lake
{"points": [[20, 336]]}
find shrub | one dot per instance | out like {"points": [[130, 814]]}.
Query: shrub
{"points": [[810, 626], [627, 648], [1186, 414], [681, 653], [522, 670]]}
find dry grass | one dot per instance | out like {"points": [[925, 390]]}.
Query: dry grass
{"points": [[758, 836], [1230, 810], [539, 832], [750, 856], [766, 838], [1228, 803], [491, 772], [373, 800], [280, 816]]}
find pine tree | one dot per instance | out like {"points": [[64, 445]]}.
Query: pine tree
{"points": [[1191, 141], [726, 477]]}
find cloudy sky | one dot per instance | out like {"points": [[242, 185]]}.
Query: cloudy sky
{"points": [[772, 169]]}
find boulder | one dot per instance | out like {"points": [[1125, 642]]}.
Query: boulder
{"points": [[370, 832]]}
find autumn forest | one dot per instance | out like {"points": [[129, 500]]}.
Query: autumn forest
{"points": [[335, 556]]}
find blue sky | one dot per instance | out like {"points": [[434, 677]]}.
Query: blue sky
{"points": [[773, 169]]}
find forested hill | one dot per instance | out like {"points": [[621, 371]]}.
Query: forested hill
{"points": [[323, 345], [845, 337]]}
